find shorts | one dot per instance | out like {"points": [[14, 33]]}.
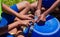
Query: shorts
{"points": [[7, 19]]}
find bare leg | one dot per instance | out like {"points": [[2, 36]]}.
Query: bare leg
{"points": [[13, 31], [9, 27], [22, 5]]}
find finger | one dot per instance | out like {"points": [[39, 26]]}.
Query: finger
{"points": [[44, 19], [36, 12], [27, 24], [29, 18], [31, 21], [30, 15], [38, 20]]}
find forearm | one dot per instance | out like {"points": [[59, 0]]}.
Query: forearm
{"points": [[51, 8], [7, 9], [8, 28], [38, 11], [39, 4], [10, 11]]}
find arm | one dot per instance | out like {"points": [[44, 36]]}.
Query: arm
{"points": [[43, 16], [12, 12], [51, 8], [8, 10], [39, 4], [5, 29], [38, 11], [13, 25]]}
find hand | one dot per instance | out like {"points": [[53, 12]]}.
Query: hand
{"points": [[16, 19], [25, 22], [27, 17], [41, 18], [37, 13]]}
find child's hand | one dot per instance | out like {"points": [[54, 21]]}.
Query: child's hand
{"points": [[37, 13], [25, 22], [27, 17], [41, 18]]}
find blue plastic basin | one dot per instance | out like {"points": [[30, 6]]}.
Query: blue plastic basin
{"points": [[48, 29]]}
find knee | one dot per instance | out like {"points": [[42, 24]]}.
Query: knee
{"points": [[34, 5], [25, 3]]}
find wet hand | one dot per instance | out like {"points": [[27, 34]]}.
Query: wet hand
{"points": [[38, 12], [41, 18]]}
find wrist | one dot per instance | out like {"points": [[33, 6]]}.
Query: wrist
{"points": [[45, 14]]}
